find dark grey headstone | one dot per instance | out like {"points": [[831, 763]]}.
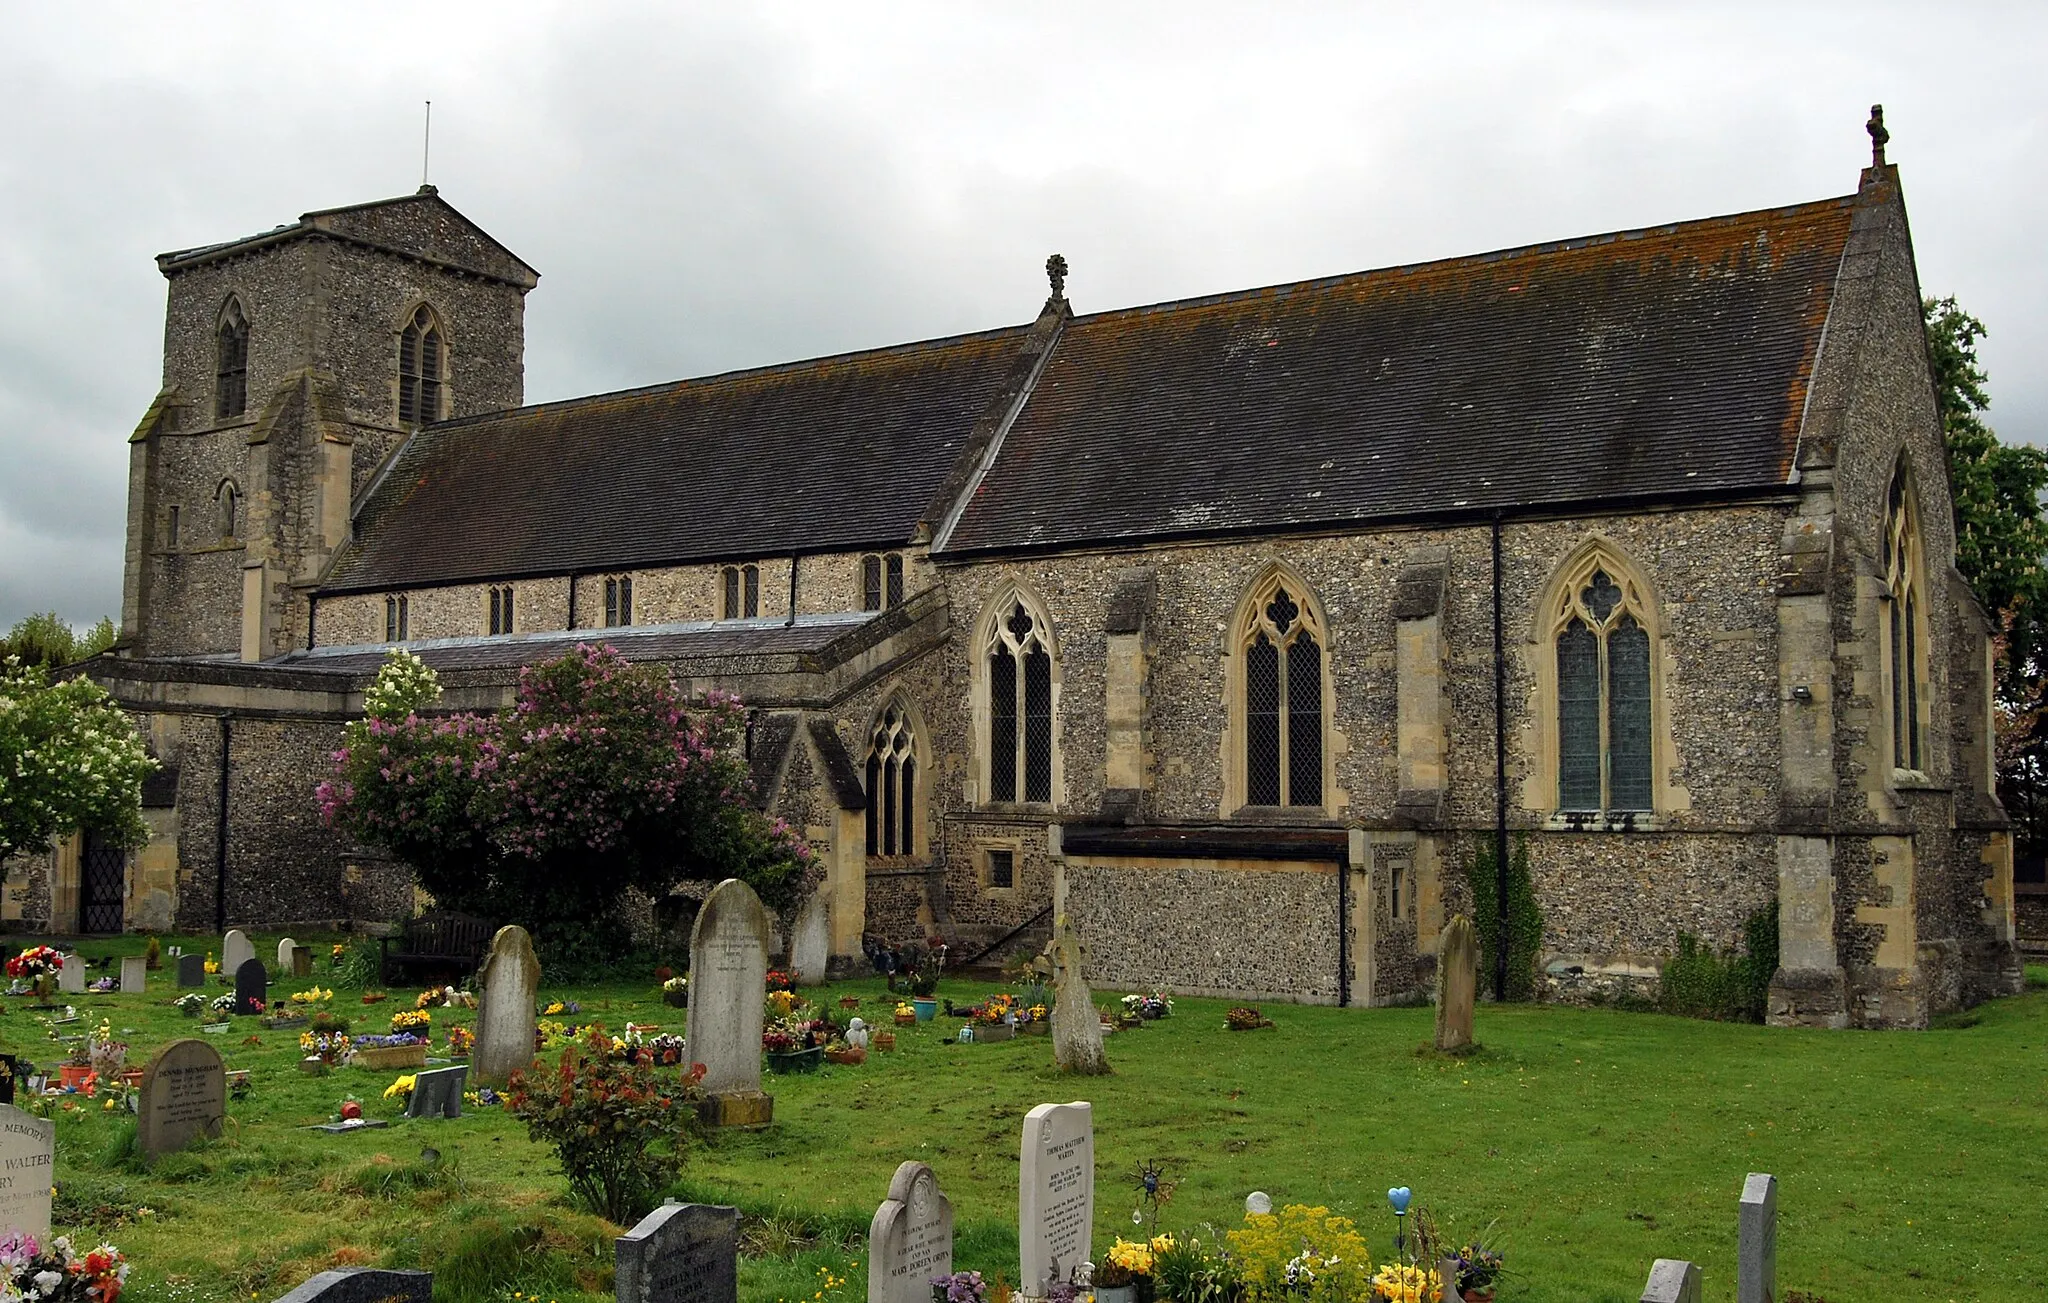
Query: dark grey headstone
{"points": [[251, 983], [365, 1285], [191, 970], [437, 1094], [681, 1253]]}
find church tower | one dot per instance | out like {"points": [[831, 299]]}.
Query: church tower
{"points": [[296, 362]]}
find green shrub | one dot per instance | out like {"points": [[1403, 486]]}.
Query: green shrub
{"points": [[616, 1129], [1734, 986], [1525, 920]]}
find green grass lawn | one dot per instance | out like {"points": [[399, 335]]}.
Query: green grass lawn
{"points": [[1907, 1163]]}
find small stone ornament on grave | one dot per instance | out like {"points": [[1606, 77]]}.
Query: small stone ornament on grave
{"points": [[857, 1034]]}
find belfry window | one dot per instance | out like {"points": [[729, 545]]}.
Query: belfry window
{"points": [[618, 601], [1283, 703], [742, 597], [1604, 704], [1904, 636], [1020, 725], [422, 369], [231, 363], [892, 784], [881, 581], [501, 608], [397, 615]]}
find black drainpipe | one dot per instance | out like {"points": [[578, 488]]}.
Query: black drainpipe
{"points": [[572, 599], [220, 857], [792, 591], [312, 614], [1344, 929], [1500, 781]]}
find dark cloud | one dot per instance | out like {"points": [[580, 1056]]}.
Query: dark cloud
{"points": [[708, 188]]}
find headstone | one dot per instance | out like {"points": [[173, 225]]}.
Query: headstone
{"points": [[810, 944], [1756, 1246], [365, 1285], [184, 1094], [252, 986], [682, 1253], [1457, 983], [284, 955], [191, 970], [1672, 1280], [911, 1239], [437, 1094], [1076, 1026], [1055, 1193], [728, 975], [302, 961], [134, 975], [28, 1161], [71, 976], [509, 981], [235, 951]]}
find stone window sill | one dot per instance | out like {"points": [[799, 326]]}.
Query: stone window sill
{"points": [[1293, 815], [1916, 780], [1602, 821]]}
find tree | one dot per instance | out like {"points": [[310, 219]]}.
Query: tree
{"points": [[597, 780], [69, 758], [48, 639]]}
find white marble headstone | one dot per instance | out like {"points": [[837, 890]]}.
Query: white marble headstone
{"points": [[284, 955], [235, 950], [134, 974], [1055, 1193], [71, 977], [911, 1239], [728, 981], [28, 1159]]}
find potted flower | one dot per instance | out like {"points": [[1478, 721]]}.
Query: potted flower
{"points": [[189, 1004], [107, 1055], [838, 1051], [461, 1040], [924, 982], [1148, 1007], [789, 1049], [885, 1041], [960, 1287], [905, 1014], [778, 980], [1245, 1018], [76, 1069], [400, 1050], [1478, 1271], [413, 1022], [675, 992], [38, 966], [1118, 1276], [328, 1047], [1399, 1282]]}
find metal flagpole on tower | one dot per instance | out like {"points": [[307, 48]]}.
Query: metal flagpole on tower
{"points": [[426, 144]]}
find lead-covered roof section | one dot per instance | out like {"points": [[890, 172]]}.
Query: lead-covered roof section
{"points": [[1655, 364], [830, 455]]}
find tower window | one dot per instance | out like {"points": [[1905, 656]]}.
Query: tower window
{"points": [[171, 529], [618, 601], [397, 611], [422, 368], [231, 363], [501, 609], [742, 592]]}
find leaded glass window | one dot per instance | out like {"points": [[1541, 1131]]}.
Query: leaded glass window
{"points": [[1020, 708], [231, 363], [618, 601], [1605, 709], [421, 362], [501, 609], [892, 569], [742, 592], [881, 581], [397, 614], [1283, 704], [871, 583], [1902, 623], [892, 784]]}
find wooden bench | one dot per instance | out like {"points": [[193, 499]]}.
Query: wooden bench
{"points": [[439, 942]]}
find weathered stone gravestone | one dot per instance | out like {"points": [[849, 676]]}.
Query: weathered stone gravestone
{"points": [[134, 975], [1055, 1193], [911, 1239], [252, 986], [284, 955], [302, 961], [728, 978], [184, 1094], [191, 970], [28, 1161], [509, 981], [810, 942], [682, 1253], [1457, 983], [1672, 1281], [235, 951], [438, 1093], [1076, 1026], [1756, 1248], [365, 1285], [71, 975]]}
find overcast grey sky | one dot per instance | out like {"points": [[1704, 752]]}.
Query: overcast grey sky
{"points": [[706, 187]]}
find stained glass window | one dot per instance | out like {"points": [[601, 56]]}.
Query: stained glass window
{"points": [[1283, 717], [1021, 724]]}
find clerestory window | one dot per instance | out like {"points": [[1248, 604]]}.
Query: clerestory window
{"points": [[397, 615], [422, 369], [881, 581], [501, 608]]}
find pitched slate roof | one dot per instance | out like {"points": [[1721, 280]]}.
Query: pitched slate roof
{"points": [[418, 225], [1653, 364], [828, 455]]}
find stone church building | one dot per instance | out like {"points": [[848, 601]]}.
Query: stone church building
{"points": [[1230, 627]]}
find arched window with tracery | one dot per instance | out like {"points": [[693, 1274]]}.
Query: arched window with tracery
{"points": [[892, 775], [231, 362], [226, 500], [1605, 705], [1282, 645], [1017, 670], [1904, 638], [422, 368]]}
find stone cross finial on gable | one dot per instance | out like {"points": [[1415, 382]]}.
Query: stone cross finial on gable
{"points": [[1878, 135], [1056, 272]]}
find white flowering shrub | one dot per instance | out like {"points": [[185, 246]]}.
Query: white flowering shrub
{"points": [[69, 758], [403, 685]]}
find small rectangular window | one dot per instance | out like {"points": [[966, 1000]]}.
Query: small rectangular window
{"points": [[871, 583], [753, 574], [404, 618], [390, 619], [171, 530], [618, 601], [501, 610], [626, 599], [894, 562], [1002, 869], [731, 607]]}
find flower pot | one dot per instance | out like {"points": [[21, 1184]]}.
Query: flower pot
{"points": [[383, 1058], [1039, 1027], [788, 1061], [999, 1032], [676, 999], [851, 1056], [73, 1074], [132, 1078], [883, 1040], [1116, 1294], [905, 1019], [926, 1006], [849, 1002]]}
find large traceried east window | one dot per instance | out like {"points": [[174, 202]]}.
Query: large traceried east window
{"points": [[1017, 663], [892, 777], [231, 362], [1605, 707], [1283, 699], [422, 369], [1904, 634]]}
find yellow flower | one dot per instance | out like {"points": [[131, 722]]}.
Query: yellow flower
{"points": [[400, 1088]]}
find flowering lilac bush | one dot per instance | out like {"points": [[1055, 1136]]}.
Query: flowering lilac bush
{"points": [[598, 779]]}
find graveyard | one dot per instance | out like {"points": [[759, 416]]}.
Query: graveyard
{"points": [[1585, 1144]]}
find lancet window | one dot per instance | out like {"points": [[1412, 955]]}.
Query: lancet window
{"points": [[892, 775], [1017, 660]]}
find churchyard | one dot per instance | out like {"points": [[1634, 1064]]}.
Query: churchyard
{"points": [[1585, 1144]]}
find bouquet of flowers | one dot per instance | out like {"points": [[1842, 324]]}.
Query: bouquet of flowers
{"points": [[400, 1089], [461, 1040], [104, 985], [1156, 1005], [1126, 1263], [222, 1004], [189, 1004], [1479, 1269], [675, 984], [781, 1002], [34, 962], [415, 1022], [58, 1273], [330, 1047], [779, 980], [1402, 1283], [211, 965], [779, 1039], [994, 1011]]}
